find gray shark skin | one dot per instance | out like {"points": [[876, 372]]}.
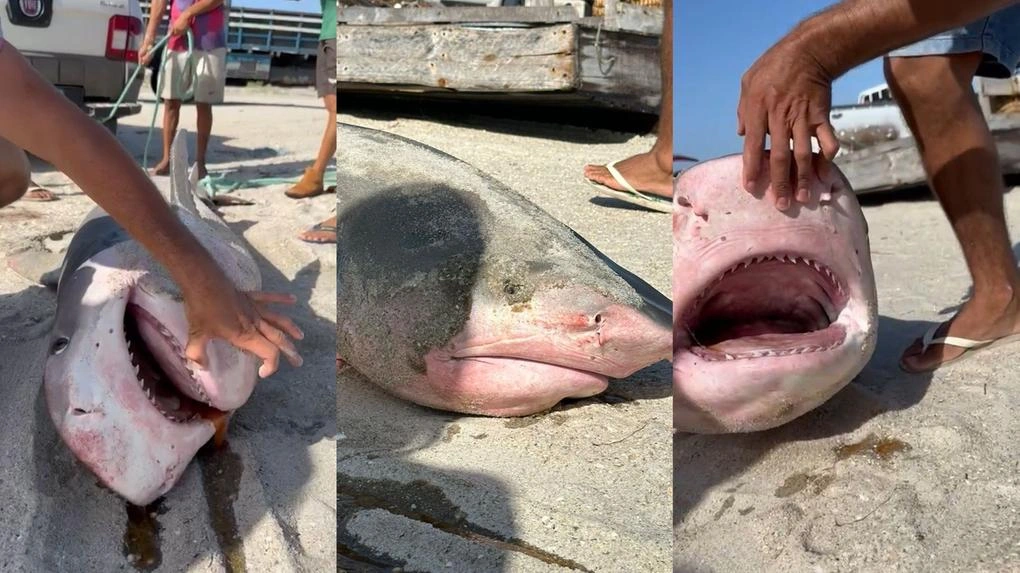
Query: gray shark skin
{"points": [[457, 293]]}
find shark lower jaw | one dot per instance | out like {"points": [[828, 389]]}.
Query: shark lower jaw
{"points": [[161, 380], [768, 307]]}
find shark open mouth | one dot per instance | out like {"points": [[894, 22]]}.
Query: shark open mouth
{"points": [[768, 306], [163, 371]]}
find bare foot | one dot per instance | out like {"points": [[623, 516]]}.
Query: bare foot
{"points": [[981, 319], [310, 185], [162, 168], [38, 194], [642, 171], [202, 171]]}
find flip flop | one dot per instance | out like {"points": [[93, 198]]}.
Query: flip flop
{"points": [[631, 195], [323, 228], [970, 346]]}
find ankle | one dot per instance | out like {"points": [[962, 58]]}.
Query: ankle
{"points": [[663, 155], [998, 295]]}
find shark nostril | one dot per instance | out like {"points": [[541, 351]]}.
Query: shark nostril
{"points": [[80, 411]]}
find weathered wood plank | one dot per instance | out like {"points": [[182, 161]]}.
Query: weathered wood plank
{"points": [[894, 164], [459, 58], [632, 17], [367, 16], [627, 75]]}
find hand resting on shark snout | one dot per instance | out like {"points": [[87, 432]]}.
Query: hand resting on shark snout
{"points": [[36, 117]]}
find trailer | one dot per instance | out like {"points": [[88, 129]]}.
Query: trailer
{"points": [[550, 51], [877, 152]]}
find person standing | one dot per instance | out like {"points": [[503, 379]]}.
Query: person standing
{"points": [[787, 94], [311, 183], [325, 83], [204, 74]]}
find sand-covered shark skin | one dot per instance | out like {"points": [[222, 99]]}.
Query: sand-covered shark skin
{"points": [[773, 312], [457, 293], [122, 397]]}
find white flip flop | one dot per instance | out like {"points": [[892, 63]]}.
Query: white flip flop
{"points": [[970, 346], [632, 195]]}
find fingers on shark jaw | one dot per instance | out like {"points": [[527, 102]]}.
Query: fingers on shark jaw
{"points": [[163, 385]]}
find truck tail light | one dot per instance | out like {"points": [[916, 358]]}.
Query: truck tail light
{"points": [[123, 37]]}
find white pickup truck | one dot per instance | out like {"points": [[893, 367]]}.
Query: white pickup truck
{"points": [[876, 117], [87, 48]]}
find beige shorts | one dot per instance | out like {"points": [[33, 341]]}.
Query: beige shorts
{"points": [[206, 73]]}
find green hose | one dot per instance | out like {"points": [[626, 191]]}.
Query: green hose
{"points": [[214, 184]]}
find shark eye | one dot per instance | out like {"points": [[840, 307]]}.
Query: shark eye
{"points": [[59, 345]]}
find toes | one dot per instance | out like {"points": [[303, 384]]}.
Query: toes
{"points": [[917, 361]]}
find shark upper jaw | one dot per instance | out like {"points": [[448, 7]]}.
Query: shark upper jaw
{"points": [[767, 305], [164, 375], [224, 384]]}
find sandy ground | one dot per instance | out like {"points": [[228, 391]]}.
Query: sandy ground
{"points": [[582, 488], [266, 503], [896, 472]]}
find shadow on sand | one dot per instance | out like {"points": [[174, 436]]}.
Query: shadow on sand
{"points": [[559, 123]]}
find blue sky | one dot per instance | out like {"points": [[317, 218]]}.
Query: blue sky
{"points": [[714, 44]]}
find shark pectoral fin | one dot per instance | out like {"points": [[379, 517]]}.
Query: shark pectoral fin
{"points": [[37, 264]]}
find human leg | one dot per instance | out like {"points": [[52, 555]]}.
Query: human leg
{"points": [[210, 85], [650, 172], [311, 183], [961, 161], [15, 173]]}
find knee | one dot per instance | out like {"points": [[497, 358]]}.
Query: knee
{"points": [[172, 105], [927, 81], [15, 177]]}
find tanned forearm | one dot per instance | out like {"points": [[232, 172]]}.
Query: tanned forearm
{"points": [[156, 10], [37, 118], [853, 32], [203, 6]]}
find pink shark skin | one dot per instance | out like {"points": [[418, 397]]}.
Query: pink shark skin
{"points": [[99, 405], [518, 361], [121, 394], [773, 312]]}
